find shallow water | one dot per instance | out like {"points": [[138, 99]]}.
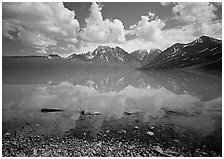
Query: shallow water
{"points": [[189, 102]]}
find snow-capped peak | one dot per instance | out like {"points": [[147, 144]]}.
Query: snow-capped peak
{"points": [[103, 48]]}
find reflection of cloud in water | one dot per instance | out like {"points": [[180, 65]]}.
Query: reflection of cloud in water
{"points": [[184, 110], [76, 98]]}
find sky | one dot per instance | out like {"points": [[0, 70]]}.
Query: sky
{"points": [[41, 28]]}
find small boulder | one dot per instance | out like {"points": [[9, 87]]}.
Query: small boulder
{"points": [[157, 149], [90, 112]]}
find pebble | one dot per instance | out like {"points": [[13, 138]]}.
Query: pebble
{"points": [[47, 154], [34, 152], [151, 127], [150, 133], [78, 154], [21, 155], [136, 127], [99, 144], [7, 134], [158, 149], [122, 131], [37, 125]]}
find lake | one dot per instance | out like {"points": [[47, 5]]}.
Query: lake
{"points": [[178, 105]]}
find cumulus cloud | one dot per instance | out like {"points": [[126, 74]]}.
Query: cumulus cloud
{"points": [[140, 44], [39, 24], [98, 30], [167, 3], [201, 16], [193, 20], [51, 27], [148, 28]]}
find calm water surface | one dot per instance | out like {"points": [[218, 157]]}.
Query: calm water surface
{"points": [[189, 102]]}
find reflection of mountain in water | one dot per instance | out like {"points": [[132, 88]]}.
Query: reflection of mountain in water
{"points": [[201, 85], [198, 84]]}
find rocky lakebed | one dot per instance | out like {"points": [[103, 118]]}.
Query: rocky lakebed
{"points": [[125, 137]]}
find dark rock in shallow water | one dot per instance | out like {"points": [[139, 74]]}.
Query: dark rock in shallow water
{"points": [[89, 112], [128, 113], [45, 110]]}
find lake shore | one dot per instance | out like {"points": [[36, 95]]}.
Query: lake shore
{"points": [[107, 143]]}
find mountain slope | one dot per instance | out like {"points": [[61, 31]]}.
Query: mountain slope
{"points": [[84, 56], [203, 52], [145, 56], [105, 55]]}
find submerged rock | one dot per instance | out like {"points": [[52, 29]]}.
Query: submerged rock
{"points": [[45, 110]]}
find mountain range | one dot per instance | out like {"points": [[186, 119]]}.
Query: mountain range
{"points": [[204, 52], [108, 56]]}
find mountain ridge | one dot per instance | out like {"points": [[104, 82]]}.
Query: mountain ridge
{"points": [[204, 52]]}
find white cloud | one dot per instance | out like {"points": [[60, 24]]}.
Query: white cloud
{"points": [[98, 30], [140, 44], [148, 28], [167, 3], [200, 16], [39, 24]]}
